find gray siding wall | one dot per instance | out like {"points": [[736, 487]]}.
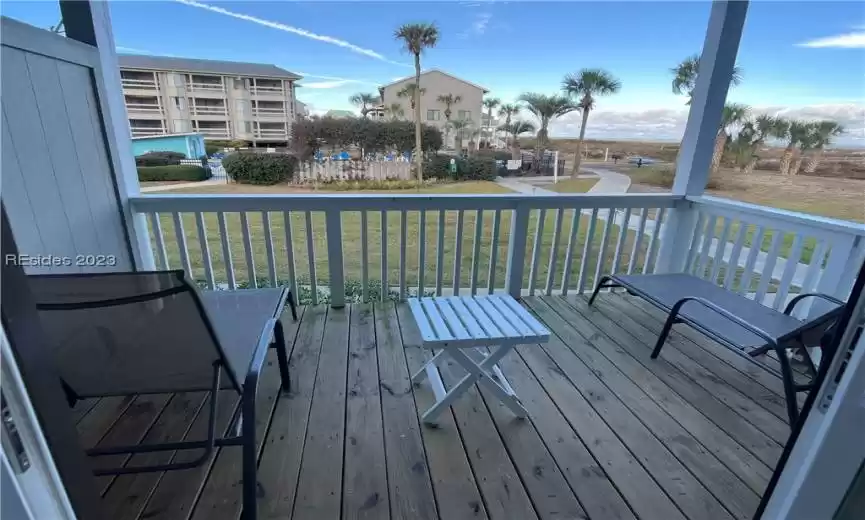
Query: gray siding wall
{"points": [[437, 84], [57, 182]]}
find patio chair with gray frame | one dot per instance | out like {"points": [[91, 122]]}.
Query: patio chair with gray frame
{"points": [[117, 334], [744, 325]]}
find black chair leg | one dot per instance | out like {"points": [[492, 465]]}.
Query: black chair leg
{"points": [[671, 320], [598, 288], [250, 457], [281, 355], [789, 390], [292, 305]]}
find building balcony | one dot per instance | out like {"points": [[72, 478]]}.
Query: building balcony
{"points": [[146, 131], [209, 111], [139, 84], [144, 110], [217, 133], [271, 133], [260, 91], [269, 112]]}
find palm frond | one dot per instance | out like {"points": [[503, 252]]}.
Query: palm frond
{"points": [[685, 75], [417, 36], [491, 103]]}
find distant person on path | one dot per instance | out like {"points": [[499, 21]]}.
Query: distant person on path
{"points": [[640, 162]]}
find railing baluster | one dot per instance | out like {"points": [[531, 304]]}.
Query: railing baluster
{"points": [[458, 252], [226, 251], [476, 251], [587, 249], [421, 252], [494, 251], [516, 258], [440, 252], [733, 264], [694, 246], [652, 249], [789, 270], [769, 267], [536, 249], [180, 234], [403, 232], [554, 251], [605, 239], [718, 257], [333, 224], [268, 244], [364, 258], [384, 286], [620, 243], [708, 235], [205, 250], [753, 251], [310, 253], [289, 253], [247, 250], [809, 284], [569, 254], [638, 240], [160, 241]]}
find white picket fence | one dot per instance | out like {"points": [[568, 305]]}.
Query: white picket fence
{"points": [[217, 171], [352, 170]]}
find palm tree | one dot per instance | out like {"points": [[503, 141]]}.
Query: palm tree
{"points": [[508, 111], [415, 38], [490, 104], [515, 129], [753, 135], [807, 139], [546, 108], [396, 111], [587, 84], [365, 101], [792, 131], [733, 114], [409, 91], [823, 132], [685, 76], [449, 100], [459, 126]]}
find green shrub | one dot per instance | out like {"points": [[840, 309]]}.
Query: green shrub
{"points": [[468, 168], [663, 176], [172, 172], [159, 158], [266, 169]]}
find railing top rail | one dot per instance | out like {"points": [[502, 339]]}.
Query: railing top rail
{"points": [[790, 217], [353, 202]]}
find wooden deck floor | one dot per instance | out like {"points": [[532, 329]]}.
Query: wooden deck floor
{"points": [[612, 434]]}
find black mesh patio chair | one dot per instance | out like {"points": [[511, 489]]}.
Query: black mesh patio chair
{"points": [[737, 322], [154, 332]]}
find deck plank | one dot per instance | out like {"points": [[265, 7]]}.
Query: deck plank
{"points": [[628, 346], [770, 399], [454, 483], [279, 468], [619, 399], [128, 494], [636, 485], [93, 426], [83, 407], [319, 493], [409, 483], [221, 498]]}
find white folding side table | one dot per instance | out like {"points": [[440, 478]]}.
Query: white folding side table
{"points": [[463, 328]]}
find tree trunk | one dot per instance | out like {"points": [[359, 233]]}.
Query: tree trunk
{"points": [[418, 147], [718, 153], [578, 158], [750, 165], [786, 158], [797, 163], [542, 136], [813, 161], [515, 148]]}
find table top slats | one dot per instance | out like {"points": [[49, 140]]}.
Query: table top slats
{"points": [[441, 330], [524, 315], [474, 329], [423, 323], [503, 324], [483, 319], [511, 317], [451, 320]]}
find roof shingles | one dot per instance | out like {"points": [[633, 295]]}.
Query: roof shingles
{"points": [[226, 68]]}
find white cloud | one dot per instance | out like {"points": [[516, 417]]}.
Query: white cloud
{"points": [[335, 78], [853, 40], [293, 30], [328, 84], [478, 26], [665, 124], [132, 50]]}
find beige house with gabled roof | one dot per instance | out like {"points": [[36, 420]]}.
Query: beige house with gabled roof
{"points": [[438, 83]]}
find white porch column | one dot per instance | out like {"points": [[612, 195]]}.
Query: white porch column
{"points": [[90, 23], [695, 156]]}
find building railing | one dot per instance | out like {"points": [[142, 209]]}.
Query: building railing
{"points": [[143, 107], [256, 112], [379, 246], [212, 87], [210, 111], [271, 132], [260, 90], [138, 83], [146, 131], [213, 132]]}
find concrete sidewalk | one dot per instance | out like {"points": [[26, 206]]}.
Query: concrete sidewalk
{"points": [[167, 187]]}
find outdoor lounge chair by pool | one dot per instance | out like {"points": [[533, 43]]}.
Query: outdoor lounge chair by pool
{"points": [[153, 332], [735, 321]]}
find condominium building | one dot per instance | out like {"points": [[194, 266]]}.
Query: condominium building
{"points": [[220, 99]]}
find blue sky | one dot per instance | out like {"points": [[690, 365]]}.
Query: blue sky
{"points": [[800, 58]]}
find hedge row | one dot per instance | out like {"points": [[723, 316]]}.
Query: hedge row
{"points": [[267, 169], [159, 158], [468, 168], [179, 172]]}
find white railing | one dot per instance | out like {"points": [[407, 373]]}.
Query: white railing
{"points": [[212, 87], [146, 131], [138, 83], [260, 90], [268, 112], [209, 111], [407, 244], [271, 132], [312, 171], [143, 107], [213, 132]]}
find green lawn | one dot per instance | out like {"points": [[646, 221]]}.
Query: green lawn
{"points": [[573, 185]]}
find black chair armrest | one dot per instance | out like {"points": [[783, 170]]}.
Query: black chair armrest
{"points": [[730, 316], [790, 306]]}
